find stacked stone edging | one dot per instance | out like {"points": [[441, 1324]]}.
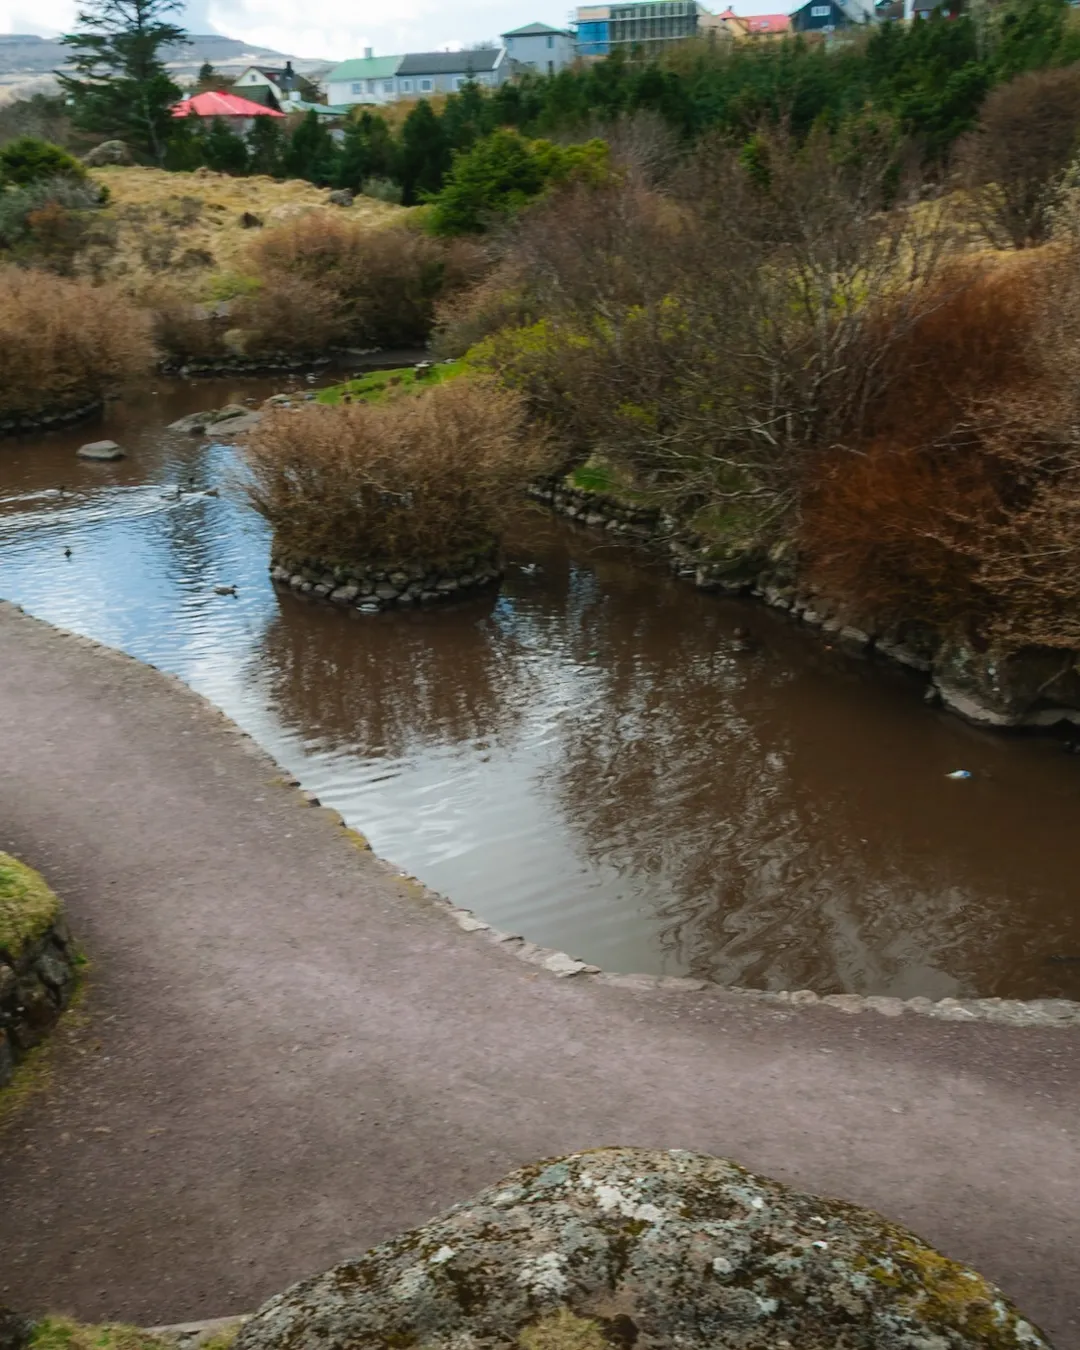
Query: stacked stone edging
{"points": [[1030, 690], [271, 364], [381, 586], [46, 421], [35, 988]]}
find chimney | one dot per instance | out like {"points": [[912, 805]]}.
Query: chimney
{"points": [[369, 52]]}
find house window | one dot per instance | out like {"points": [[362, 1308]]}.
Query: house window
{"points": [[459, 81], [425, 86], [820, 11], [357, 87], [406, 86], [388, 86], [551, 42]]}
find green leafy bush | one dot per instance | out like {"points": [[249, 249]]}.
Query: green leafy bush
{"points": [[504, 172], [29, 160]]}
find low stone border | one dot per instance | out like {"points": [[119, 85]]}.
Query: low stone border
{"points": [[273, 364], [1046, 1012], [35, 988], [374, 589], [14, 426]]}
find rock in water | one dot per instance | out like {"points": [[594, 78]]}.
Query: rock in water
{"points": [[671, 1251], [101, 450]]}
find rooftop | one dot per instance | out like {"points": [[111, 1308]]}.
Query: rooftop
{"points": [[363, 68], [215, 104], [536, 30], [450, 63]]}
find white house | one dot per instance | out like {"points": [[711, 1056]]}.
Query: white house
{"points": [[540, 47], [424, 73], [369, 79], [283, 82]]}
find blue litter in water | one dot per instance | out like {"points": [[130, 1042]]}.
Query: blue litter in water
{"points": [[959, 773]]}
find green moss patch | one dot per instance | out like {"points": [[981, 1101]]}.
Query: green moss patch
{"points": [[27, 906], [62, 1333], [380, 385]]}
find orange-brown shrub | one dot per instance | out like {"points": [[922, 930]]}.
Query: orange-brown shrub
{"points": [[963, 506], [64, 342], [183, 330], [384, 284], [424, 477]]}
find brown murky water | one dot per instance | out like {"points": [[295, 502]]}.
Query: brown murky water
{"points": [[589, 758]]}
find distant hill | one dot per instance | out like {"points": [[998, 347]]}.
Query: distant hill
{"points": [[27, 62]]}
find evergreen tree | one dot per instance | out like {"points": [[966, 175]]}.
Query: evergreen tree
{"points": [[207, 74], [311, 153], [369, 152], [265, 146], [120, 87], [425, 156], [223, 149], [465, 117]]}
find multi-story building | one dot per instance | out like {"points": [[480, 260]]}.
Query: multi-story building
{"points": [[644, 24], [540, 47], [376, 80]]}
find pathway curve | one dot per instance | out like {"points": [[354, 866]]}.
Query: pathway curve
{"points": [[290, 1055]]}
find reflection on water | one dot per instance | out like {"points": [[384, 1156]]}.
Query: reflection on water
{"points": [[587, 758]]}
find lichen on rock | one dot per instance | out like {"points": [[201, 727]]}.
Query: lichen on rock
{"points": [[654, 1249]]}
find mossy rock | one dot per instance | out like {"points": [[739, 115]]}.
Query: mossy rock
{"points": [[666, 1250], [63, 1333], [28, 908]]}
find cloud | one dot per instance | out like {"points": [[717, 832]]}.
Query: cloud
{"points": [[334, 30]]}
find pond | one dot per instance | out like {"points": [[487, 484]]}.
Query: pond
{"points": [[593, 757]]}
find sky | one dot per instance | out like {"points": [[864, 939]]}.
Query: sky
{"points": [[335, 30]]}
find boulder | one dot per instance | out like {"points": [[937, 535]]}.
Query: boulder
{"points": [[617, 1247], [108, 152], [106, 451], [196, 423], [340, 197]]}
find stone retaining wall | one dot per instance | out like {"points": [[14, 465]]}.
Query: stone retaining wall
{"points": [[1032, 689], [46, 421], [35, 988], [382, 586]]}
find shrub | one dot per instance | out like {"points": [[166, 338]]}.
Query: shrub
{"points": [[419, 478], [962, 509], [1014, 162], [53, 221], [29, 160], [502, 173], [63, 342], [382, 190], [183, 330], [383, 284]]}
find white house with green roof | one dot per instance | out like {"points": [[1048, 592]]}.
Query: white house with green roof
{"points": [[540, 47], [369, 79]]}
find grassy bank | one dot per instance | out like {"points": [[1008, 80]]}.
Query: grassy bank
{"points": [[379, 385]]}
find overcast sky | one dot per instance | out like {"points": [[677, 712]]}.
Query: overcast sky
{"points": [[337, 29]]}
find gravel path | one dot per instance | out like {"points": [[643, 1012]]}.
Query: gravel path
{"points": [[289, 1053]]}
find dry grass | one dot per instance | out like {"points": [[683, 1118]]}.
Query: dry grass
{"points": [[63, 342], [165, 218], [416, 479]]}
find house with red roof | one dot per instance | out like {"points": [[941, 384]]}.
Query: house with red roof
{"points": [[237, 113]]}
